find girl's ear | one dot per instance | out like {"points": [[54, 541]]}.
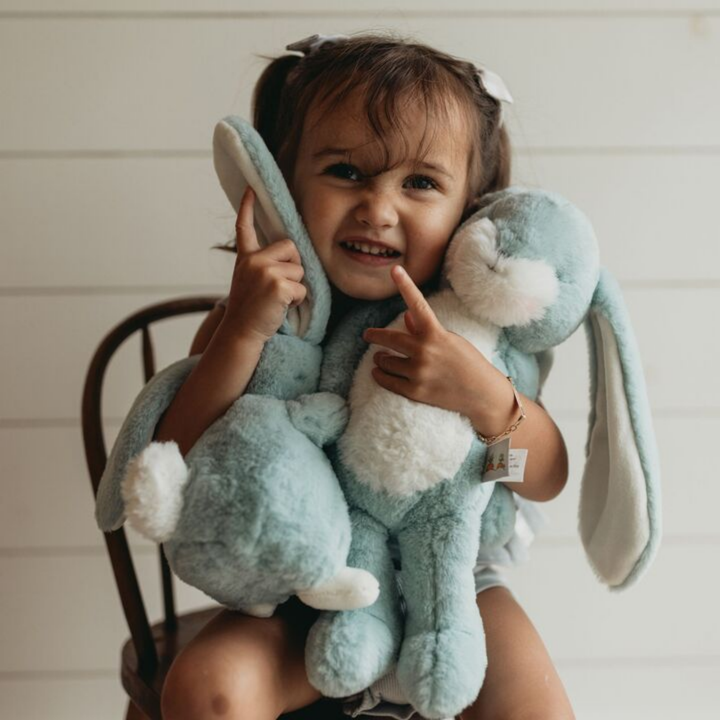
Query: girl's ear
{"points": [[620, 521]]}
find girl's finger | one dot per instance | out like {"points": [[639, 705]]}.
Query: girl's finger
{"points": [[393, 364], [423, 317], [398, 385], [247, 241], [409, 322], [283, 250], [397, 340], [299, 292], [291, 271]]}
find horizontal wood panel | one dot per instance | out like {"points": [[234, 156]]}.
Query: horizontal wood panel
{"points": [[575, 615], [54, 340], [38, 697], [115, 90], [642, 692], [84, 601], [151, 222], [340, 7], [651, 214], [579, 618], [49, 365], [639, 692], [48, 507]]}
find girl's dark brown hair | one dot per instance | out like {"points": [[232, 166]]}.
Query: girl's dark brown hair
{"points": [[391, 73]]}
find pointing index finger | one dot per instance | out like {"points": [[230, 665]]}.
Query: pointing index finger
{"points": [[422, 315], [245, 224]]}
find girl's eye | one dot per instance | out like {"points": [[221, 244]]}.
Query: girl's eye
{"points": [[344, 171], [421, 182]]}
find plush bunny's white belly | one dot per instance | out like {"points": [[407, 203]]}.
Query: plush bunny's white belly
{"points": [[401, 446]]}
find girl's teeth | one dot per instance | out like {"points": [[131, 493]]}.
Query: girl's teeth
{"points": [[370, 249]]}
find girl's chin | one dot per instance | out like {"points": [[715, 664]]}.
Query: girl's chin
{"points": [[366, 288]]}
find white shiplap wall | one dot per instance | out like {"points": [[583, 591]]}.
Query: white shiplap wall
{"points": [[109, 202]]}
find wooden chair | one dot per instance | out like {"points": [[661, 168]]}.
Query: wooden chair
{"points": [[149, 652]]}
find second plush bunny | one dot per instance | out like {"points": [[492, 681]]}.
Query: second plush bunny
{"points": [[520, 277]]}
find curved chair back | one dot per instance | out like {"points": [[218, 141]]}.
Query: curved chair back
{"points": [[96, 457]]}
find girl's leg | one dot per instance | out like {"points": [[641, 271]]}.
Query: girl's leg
{"points": [[242, 667], [521, 682]]}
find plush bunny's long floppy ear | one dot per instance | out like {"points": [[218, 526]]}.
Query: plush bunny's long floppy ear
{"points": [[241, 159], [620, 510]]}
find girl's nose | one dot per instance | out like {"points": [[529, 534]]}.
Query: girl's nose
{"points": [[377, 210]]}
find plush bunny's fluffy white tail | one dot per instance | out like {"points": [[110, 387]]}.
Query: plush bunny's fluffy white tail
{"points": [[152, 490]]}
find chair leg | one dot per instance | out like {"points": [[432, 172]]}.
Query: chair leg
{"points": [[134, 712]]}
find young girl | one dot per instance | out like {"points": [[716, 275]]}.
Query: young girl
{"points": [[385, 144]]}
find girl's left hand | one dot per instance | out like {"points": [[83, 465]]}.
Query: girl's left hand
{"points": [[440, 367]]}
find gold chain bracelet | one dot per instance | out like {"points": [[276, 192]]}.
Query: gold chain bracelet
{"points": [[492, 440]]}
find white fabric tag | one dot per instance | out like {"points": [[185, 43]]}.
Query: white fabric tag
{"points": [[502, 463], [518, 458]]}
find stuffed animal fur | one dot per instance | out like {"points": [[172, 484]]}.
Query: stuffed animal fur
{"points": [[522, 270], [254, 513]]}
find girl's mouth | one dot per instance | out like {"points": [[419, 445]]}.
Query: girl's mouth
{"points": [[369, 254]]}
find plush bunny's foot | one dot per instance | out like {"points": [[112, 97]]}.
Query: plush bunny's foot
{"points": [[442, 672], [260, 610], [350, 589], [347, 651], [152, 490]]}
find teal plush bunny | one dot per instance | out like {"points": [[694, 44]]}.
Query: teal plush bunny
{"points": [[521, 275], [254, 513]]}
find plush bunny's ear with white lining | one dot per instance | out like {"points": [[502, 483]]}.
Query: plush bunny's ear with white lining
{"points": [[534, 254], [241, 159], [620, 520]]}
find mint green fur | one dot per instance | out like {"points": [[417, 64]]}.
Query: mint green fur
{"points": [[270, 508], [438, 646]]}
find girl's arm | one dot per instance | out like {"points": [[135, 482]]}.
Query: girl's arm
{"points": [[222, 374], [546, 470], [265, 282]]}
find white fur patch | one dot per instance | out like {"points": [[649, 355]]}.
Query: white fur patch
{"points": [[401, 446], [152, 490], [504, 290], [350, 589]]}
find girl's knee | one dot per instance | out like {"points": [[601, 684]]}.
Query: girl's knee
{"points": [[547, 713], [205, 688]]}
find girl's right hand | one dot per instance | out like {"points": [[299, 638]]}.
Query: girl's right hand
{"points": [[265, 281]]}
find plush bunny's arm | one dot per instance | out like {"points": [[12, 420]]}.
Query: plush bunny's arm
{"points": [[620, 504], [135, 434]]}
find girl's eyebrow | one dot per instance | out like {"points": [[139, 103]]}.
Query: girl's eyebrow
{"points": [[330, 151], [344, 152]]}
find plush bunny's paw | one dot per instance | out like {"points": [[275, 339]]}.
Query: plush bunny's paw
{"points": [[442, 672], [152, 490], [321, 416], [347, 651], [350, 589]]}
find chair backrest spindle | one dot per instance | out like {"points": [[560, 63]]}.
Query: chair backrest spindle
{"points": [[96, 458]]}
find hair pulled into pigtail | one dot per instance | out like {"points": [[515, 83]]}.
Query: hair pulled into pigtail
{"points": [[267, 99]]}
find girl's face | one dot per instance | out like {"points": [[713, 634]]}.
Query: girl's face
{"points": [[408, 212]]}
